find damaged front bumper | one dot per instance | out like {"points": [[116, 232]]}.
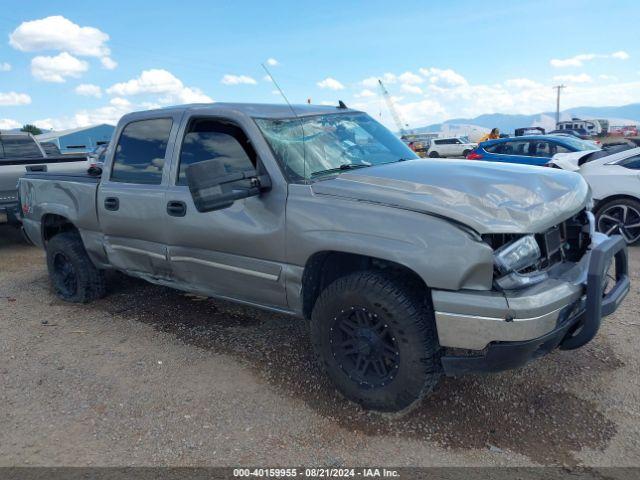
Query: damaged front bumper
{"points": [[511, 330]]}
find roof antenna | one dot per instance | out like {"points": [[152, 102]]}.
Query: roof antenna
{"points": [[304, 147]]}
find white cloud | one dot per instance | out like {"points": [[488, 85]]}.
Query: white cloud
{"points": [[238, 80], [110, 114], [387, 79], [13, 99], [612, 78], [579, 60], [443, 76], [365, 93], [5, 67], [267, 78], [59, 33], [88, 90], [272, 62], [56, 69], [620, 55], [579, 78], [408, 88], [8, 124], [331, 84], [410, 78], [522, 83], [159, 81], [108, 63]]}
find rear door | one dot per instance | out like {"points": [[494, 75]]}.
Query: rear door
{"points": [[131, 195], [514, 151]]}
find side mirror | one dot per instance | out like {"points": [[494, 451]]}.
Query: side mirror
{"points": [[213, 188]]}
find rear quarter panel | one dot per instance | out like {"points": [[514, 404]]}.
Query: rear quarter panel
{"points": [[74, 200]]}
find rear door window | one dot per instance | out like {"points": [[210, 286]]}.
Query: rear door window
{"points": [[20, 147], [141, 151], [520, 148]]}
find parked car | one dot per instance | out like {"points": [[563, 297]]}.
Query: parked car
{"points": [[531, 150], [21, 153], [450, 147], [404, 267], [581, 134], [614, 179]]}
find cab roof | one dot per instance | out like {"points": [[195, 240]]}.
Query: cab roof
{"points": [[256, 110]]}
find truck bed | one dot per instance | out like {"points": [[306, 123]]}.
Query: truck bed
{"points": [[68, 194], [11, 169]]}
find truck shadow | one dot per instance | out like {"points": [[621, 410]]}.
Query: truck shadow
{"points": [[529, 412], [10, 237]]}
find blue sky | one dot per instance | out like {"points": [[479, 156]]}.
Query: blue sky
{"points": [[64, 64]]}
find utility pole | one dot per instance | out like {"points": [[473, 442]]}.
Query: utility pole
{"points": [[558, 88]]}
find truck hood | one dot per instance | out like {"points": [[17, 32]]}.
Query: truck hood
{"points": [[488, 197]]}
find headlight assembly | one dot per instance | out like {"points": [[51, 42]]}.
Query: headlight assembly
{"points": [[517, 255]]}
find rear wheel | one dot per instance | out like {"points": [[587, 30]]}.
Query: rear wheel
{"points": [[75, 278], [375, 337], [434, 154], [620, 216]]}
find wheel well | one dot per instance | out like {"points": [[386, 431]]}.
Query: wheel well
{"points": [[54, 224], [323, 268], [600, 203]]}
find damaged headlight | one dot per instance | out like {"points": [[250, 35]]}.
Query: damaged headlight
{"points": [[517, 255], [513, 257]]}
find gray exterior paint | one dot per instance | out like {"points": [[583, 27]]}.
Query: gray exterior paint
{"points": [[424, 215]]}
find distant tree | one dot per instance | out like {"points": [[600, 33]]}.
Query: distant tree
{"points": [[32, 129]]}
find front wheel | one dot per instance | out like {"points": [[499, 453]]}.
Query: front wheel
{"points": [[375, 337], [434, 154], [74, 276], [620, 216], [465, 153]]}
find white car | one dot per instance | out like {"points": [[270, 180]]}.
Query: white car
{"points": [[615, 183], [450, 147]]}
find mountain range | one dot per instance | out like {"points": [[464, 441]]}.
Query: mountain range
{"points": [[508, 123]]}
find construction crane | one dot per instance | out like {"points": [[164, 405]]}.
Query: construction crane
{"points": [[402, 125]]}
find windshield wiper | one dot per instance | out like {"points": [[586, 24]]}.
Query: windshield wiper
{"points": [[344, 166]]}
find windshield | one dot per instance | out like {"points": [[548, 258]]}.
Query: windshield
{"points": [[580, 145], [312, 147]]}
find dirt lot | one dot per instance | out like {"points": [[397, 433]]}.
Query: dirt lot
{"points": [[151, 376]]}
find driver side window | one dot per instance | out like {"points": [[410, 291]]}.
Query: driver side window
{"points": [[207, 139]]}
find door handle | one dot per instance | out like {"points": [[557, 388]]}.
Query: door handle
{"points": [[176, 208], [36, 168], [111, 203]]}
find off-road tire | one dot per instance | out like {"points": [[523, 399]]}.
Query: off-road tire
{"points": [[407, 311], [434, 154], [67, 258]]}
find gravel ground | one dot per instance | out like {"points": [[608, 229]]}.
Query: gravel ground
{"points": [[152, 376]]}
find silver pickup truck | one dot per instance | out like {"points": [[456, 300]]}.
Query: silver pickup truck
{"points": [[21, 153], [406, 268]]}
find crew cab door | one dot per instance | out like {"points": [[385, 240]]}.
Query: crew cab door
{"points": [[236, 252], [130, 200]]}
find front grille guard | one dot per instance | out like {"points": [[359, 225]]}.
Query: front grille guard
{"points": [[597, 304]]}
